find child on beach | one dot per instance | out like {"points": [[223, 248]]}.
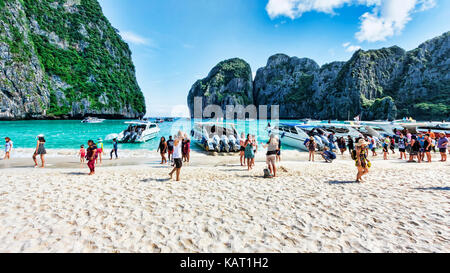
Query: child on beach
{"points": [[82, 154], [40, 150], [8, 148], [162, 149], [255, 149], [91, 156]]}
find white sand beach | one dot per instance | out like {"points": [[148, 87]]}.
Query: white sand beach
{"points": [[130, 205]]}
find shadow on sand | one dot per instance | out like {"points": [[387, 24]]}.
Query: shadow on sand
{"points": [[156, 180], [342, 182], [434, 189], [77, 174]]}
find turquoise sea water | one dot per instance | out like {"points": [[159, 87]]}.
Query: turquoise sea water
{"points": [[70, 134]]}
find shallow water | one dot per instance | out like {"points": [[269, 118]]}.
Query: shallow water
{"points": [[70, 134]]}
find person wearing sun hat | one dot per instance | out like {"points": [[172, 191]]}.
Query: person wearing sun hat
{"points": [[362, 162]]}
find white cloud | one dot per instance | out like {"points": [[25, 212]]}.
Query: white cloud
{"points": [[135, 39], [387, 18], [350, 48]]}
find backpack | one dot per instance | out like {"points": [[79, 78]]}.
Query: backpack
{"points": [[354, 155], [267, 173]]}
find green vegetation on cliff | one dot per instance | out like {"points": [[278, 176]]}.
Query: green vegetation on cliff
{"points": [[87, 66]]}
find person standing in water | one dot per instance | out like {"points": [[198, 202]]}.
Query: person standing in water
{"points": [[91, 156], [162, 149], [8, 148], [114, 150], [40, 151], [177, 155], [362, 160]]}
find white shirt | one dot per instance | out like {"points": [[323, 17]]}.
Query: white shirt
{"points": [[177, 150]]}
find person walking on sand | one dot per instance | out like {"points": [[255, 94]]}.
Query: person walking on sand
{"points": [[99, 150], [350, 144], [427, 148], [279, 151], [114, 150], [186, 150], [442, 146], [402, 141], [271, 156], [8, 148], [242, 149], [415, 150], [162, 149], [82, 154], [40, 151], [177, 155], [255, 149], [342, 145], [170, 144], [386, 144], [312, 146], [249, 152], [91, 156], [362, 161]]}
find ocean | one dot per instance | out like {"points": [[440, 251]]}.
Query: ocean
{"points": [[70, 134]]}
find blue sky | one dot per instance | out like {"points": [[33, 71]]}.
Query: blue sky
{"points": [[176, 42]]}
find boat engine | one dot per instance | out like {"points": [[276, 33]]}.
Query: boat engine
{"points": [[224, 145], [216, 143], [234, 144]]}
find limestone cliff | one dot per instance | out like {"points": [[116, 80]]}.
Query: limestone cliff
{"points": [[63, 59]]}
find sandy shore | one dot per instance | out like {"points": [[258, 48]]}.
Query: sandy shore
{"points": [[132, 206]]}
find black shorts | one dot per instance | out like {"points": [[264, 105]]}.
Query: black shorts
{"points": [[442, 150], [402, 150], [178, 163]]}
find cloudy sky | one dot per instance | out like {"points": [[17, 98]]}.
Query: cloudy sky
{"points": [[176, 42]]}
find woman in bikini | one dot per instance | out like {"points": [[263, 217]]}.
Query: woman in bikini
{"points": [[362, 162]]}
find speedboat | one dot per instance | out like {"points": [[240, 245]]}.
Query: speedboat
{"points": [[296, 135], [216, 137], [92, 120], [137, 132], [159, 120]]}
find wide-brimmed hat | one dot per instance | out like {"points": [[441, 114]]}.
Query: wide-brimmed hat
{"points": [[41, 135], [362, 142], [100, 139]]}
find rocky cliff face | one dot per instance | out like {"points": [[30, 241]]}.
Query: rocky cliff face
{"points": [[228, 83], [378, 84], [63, 59]]}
